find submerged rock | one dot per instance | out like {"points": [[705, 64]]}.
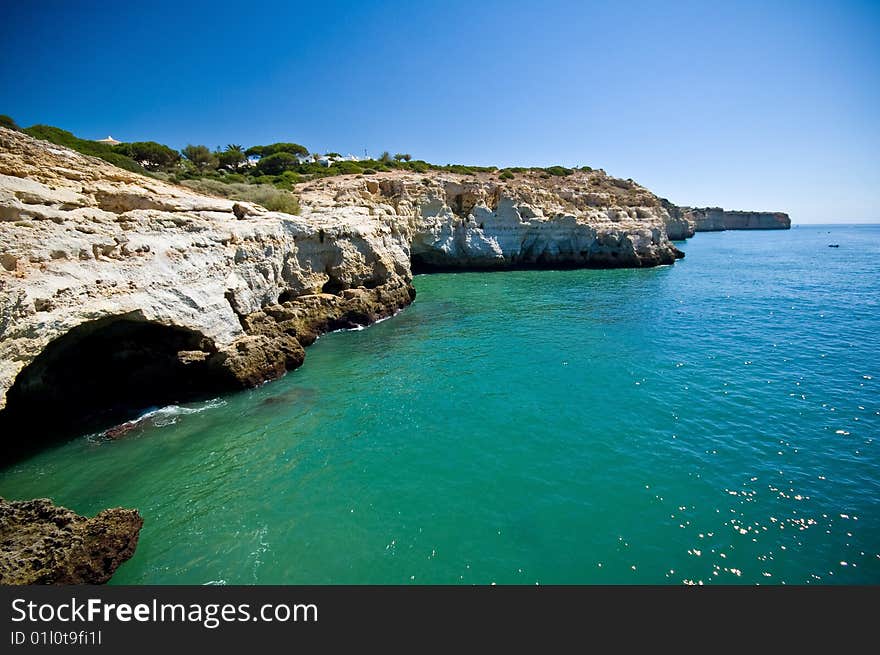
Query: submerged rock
{"points": [[41, 543]]}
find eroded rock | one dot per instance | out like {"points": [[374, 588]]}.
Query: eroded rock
{"points": [[41, 543]]}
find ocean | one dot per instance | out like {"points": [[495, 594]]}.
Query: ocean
{"points": [[713, 422]]}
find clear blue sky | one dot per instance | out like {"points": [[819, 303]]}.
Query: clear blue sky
{"points": [[753, 105]]}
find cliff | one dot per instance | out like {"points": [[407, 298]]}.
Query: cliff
{"points": [[679, 226], [119, 291], [715, 219], [41, 543]]}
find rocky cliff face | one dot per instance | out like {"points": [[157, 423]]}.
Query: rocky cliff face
{"points": [[715, 219], [480, 222], [678, 226], [41, 543], [118, 290]]}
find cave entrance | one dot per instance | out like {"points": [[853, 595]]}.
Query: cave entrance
{"points": [[100, 374]]}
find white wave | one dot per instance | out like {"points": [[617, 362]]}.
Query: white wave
{"points": [[162, 416], [170, 413], [358, 328]]}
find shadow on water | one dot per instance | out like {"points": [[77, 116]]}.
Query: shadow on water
{"points": [[300, 396]]}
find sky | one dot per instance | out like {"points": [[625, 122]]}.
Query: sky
{"points": [[745, 105]]}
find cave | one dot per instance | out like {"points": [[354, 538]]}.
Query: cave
{"points": [[100, 374], [333, 285]]}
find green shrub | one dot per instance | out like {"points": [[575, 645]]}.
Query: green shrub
{"points": [[558, 171], [506, 175], [346, 168], [7, 122], [270, 197], [287, 180], [312, 168], [291, 177], [273, 199], [459, 168], [92, 148], [418, 166]]}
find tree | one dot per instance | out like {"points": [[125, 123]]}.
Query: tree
{"points": [[149, 154], [255, 151], [6, 121], [407, 157], [385, 158], [398, 156], [200, 156], [292, 148], [277, 163], [275, 148], [232, 158]]}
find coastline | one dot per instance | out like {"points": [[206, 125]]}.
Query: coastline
{"points": [[201, 295]]}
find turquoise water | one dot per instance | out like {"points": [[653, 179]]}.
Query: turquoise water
{"points": [[716, 421]]}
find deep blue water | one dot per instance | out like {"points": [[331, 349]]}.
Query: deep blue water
{"points": [[715, 421]]}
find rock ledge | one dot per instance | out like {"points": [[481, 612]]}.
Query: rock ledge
{"points": [[41, 543]]}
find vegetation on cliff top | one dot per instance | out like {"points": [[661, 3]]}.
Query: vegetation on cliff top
{"points": [[6, 121], [93, 148], [264, 174]]}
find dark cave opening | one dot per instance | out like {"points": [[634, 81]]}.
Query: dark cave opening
{"points": [[334, 286], [100, 374], [286, 296]]}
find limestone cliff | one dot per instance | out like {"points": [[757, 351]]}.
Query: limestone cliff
{"points": [[679, 226], [587, 219], [715, 219], [119, 290]]}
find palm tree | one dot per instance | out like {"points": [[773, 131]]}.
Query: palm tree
{"points": [[233, 157]]}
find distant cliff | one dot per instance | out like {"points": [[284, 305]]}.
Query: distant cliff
{"points": [[716, 219]]}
